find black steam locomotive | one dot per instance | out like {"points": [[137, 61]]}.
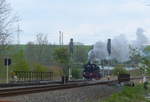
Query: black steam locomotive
{"points": [[91, 71]]}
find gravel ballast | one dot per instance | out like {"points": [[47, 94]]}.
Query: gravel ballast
{"points": [[82, 94]]}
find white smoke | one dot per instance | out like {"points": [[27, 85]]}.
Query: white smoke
{"points": [[141, 39], [100, 50], [120, 47]]}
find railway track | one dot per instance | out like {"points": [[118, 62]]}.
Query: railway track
{"points": [[42, 88], [50, 87], [31, 83]]}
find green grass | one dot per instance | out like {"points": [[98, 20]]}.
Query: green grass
{"points": [[129, 94]]}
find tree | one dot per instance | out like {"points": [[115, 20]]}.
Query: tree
{"points": [[135, 56], [19, 62], [41, 47], [39, 51], [76, 73], [6, 21], [145, 66], [80, 54], [147, 52], [62, 56], [30, 53], [119, 69], [41, 39], [40, 68]]}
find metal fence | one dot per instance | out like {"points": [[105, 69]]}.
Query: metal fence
{"points": [[33, 76]]}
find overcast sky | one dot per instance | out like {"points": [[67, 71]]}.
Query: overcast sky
{"points": [[86, 21]]}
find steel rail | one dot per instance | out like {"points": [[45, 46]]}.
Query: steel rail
{"points": [[37, 89], [42, 88], [30, 83]]}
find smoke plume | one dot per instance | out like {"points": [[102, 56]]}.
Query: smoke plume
{"points": [[120, 47]]}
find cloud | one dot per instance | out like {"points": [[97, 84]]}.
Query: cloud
{"points": [[87, 21]]}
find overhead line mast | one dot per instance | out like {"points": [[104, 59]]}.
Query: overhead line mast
{"points": [[61, 37], [18, 34]]}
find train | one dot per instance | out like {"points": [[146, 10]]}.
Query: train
{"points": [[91, 71]]}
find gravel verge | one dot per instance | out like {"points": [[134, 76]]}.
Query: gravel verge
{"points": [[82, 94]]}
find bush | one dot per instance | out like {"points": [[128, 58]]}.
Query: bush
{"points": [[76, 73], [119, 69], [62, 56], [19, 62], [135, 72], [145, 66], [129, 94], [57, 71], [40, 68]]}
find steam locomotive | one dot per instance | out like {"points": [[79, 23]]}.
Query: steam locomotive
{"points": [[91, 71]]}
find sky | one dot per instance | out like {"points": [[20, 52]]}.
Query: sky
{"points": [[86, 21]]}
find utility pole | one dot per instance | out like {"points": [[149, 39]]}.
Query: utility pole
{"points": [[18, 34], [62, 34], [61, 37]]}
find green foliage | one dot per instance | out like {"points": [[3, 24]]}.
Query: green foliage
{"points": [[135, 72], [76, 73], [41, 53], [25, 56], [61, 55], [145, 66], [129, 94], [40, 68], [119, 69], [19, 62], [80, 54], [135, 55], [147, 50], [57, 71]]}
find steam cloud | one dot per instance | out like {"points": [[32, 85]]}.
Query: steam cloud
{"points": [[120, 47]]}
